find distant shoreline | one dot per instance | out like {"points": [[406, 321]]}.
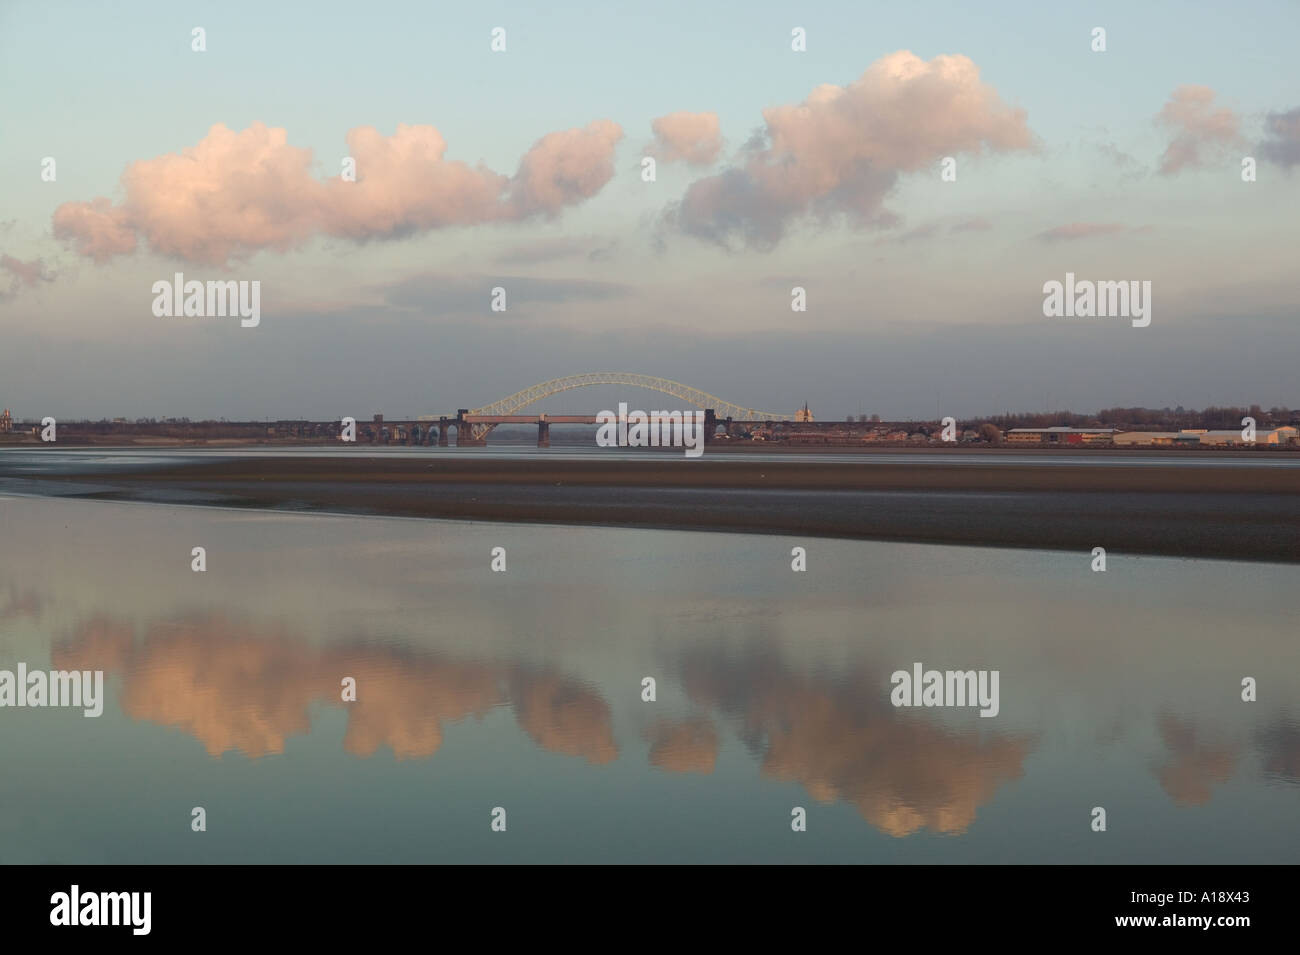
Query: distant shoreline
{"points": [[1209, 510], [28, 442]]}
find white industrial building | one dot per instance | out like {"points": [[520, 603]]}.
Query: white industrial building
{"points": [[1194, 437]]}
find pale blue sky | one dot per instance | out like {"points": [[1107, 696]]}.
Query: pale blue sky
{"points": [[889, 323]]}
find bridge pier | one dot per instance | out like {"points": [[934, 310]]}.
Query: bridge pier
{"points": [[710, 425], [465, 432], [465, 437], [543, 434], [443, 425]]}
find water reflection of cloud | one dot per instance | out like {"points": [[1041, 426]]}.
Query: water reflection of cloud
{"points": [[690, 746], [15, 605], [1195, 765], [842, 740], [564, 716], [403, 700], [248, 688], [233, 686]]}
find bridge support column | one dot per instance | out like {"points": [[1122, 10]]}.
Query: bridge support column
{"points": [[443, 424], [710, 425], [465, 432], [543, 434]]}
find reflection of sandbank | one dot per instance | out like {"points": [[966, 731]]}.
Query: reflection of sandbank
{"points": [[236, 688], [1280, 747], [843, 741]]}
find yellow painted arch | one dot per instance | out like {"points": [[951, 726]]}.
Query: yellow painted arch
{"points": [[693, 397]]}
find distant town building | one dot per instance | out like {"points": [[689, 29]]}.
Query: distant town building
{"points": [[803, 414], [6, 422], [1060, 435]]}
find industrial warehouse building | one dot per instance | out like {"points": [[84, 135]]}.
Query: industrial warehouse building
{"points": [[1160, 439], [1199, 437], [1187, 438], [1060, 435]]}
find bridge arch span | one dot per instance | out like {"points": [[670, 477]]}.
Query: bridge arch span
{"points": [[512, 404]]}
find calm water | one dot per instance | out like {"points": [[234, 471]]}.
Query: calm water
{"points": [[523, 690], [47, 461]]}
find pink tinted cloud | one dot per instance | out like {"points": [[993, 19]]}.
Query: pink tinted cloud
{"points": [[96, 229], [1198, 130], [21, 274], [235, 193], [694, 138], [932, 230], [843, 149], [564, 168], [1081, 230], [405, 185], [25, 273]]}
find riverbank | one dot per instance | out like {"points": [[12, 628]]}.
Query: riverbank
{"points": [[1206, 509]]}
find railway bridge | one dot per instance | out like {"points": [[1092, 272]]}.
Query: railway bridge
{"points": [[473, 425]]}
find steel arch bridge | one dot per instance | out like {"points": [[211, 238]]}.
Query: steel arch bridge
{"points": [[692, 396]]}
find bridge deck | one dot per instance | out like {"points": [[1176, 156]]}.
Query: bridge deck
{"points": [[555, 419], [529, 419]]}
